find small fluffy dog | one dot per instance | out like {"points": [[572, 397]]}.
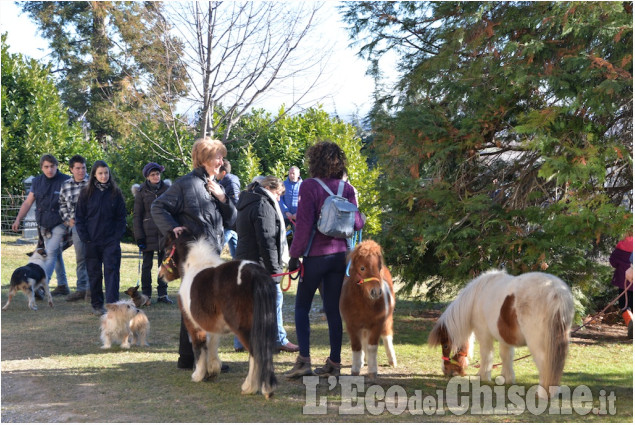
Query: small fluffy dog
{"points": [[124, 322], [138, 298], [29, 279]]}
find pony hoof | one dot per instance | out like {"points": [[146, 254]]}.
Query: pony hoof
{"points": [[372, 376], [51, 305], [197, 376], [354, 372]]}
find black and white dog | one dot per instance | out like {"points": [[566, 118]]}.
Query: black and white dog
{"points": [[29, 279]]}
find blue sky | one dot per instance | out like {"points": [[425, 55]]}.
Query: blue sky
{"points": [[345, 89]]}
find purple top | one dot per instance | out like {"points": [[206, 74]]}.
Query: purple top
{"points": [[310, 201]]}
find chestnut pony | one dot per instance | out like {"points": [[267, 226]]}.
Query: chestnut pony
{"points": [[367, 304], [218, 297], [533, 309]]}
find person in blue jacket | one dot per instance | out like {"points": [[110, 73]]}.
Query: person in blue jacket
{"points": [[289, 200], [100, 220]]}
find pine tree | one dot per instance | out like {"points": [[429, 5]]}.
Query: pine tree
{"points": [[508, 139]]}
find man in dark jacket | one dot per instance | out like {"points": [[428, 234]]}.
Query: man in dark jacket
{"points": [[231, 184], [45, 192], [145, 231]]}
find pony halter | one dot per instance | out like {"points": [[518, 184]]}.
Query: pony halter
{"points": [[168, 263], [360, 281], [452, 361]]}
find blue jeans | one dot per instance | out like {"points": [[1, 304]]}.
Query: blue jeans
{"points": [[54, 260], [282, 333], [330, 270], [80, 254], [231, 238]]}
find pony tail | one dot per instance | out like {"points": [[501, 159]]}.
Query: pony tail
{"points": [[557, 343], [264, 329]]}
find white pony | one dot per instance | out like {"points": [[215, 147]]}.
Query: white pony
{"points": [[533, 309]]}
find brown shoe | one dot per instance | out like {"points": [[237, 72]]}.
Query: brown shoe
{"points": [[289, 347], [329, 369], [76, 296], [302, 367], [60, 290]]}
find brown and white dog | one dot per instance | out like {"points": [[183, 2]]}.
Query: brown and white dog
{"points": [[29, 279], [124, 322]]}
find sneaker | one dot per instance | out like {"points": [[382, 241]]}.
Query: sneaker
{"points": [[224, 368], [76, 296], [164, 299], [99, 311], [289, 347], [329, 369], [60, 290], [302, 367], [239, 349]]}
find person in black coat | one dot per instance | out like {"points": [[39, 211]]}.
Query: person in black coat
{"points": [[146, 232], [262, 238], [196, 202], [100, 220]]}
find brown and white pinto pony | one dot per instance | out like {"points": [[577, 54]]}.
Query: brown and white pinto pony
{"points": [[218, 297], [367, 303], [533, 309]]}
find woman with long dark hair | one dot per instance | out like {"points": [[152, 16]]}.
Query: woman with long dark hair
{"points": [[100, 220], [325, 261]]}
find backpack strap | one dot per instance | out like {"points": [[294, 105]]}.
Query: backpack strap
{"points": [[325, 187]]}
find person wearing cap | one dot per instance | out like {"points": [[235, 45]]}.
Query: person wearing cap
{"points": [[146, 231]]}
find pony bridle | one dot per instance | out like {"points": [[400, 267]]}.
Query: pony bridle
{"points": [[168, 263], [361, 281], [452, 361]]}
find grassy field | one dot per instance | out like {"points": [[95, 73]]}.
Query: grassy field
{"points": [[53, 370]]}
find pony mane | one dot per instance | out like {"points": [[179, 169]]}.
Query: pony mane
{"points": [[457, 318], [201, 255]]}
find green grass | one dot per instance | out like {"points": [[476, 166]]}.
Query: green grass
{"points": [[54, 371]]}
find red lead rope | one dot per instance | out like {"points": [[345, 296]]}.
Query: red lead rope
{"points": [[298, 273]]}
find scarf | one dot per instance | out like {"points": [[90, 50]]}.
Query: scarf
{"points": [[284, 255], [102, 186]]}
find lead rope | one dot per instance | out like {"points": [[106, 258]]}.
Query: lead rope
{"points": [[139, 269]]}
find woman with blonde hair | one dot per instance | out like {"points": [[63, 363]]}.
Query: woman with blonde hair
{"points": [[196, 202]]}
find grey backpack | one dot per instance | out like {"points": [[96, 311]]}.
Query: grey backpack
{"points": [[337, 216]]}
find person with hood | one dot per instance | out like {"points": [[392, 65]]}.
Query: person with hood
{"points": [[100, 220], [146, 232], [262, 238]]}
